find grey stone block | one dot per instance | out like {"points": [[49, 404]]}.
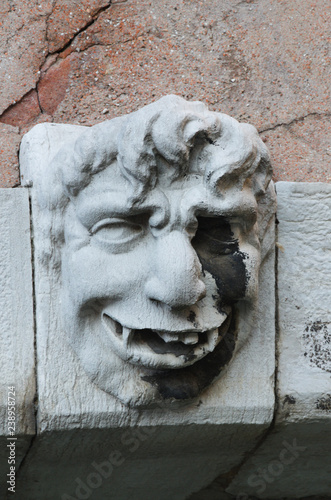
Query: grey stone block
{"points": [[16, 328]]}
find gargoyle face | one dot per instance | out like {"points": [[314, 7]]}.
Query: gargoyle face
{"points": [[149, 287]]}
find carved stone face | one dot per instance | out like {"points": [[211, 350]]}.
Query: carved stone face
{"points": [[150, 286], [155, 227]]}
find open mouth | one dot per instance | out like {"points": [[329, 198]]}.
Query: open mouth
{"points": [[162, 349]]}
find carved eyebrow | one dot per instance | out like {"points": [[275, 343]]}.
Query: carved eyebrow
{"points": [[91, 210], [246, 213]]}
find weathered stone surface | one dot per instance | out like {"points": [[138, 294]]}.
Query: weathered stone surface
{"points": [[29, 32], [304, 232], [54, 84], [301, 150], [219, 55], [294, 460], [16, 327], [22, 48], [68, 18], [131, 52], [236, 409], [24, 111]]}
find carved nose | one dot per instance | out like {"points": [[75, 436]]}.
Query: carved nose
{"points": [[176, 272]]}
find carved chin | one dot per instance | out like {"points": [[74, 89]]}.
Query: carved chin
{"points": [[161, 349]]}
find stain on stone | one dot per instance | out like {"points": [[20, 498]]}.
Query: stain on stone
{"points": [[324, 403], [219, 254], [316, 326], [208, 139], [52, 88], [197, 377], [289, 400], [191, 317], [317, 342]]}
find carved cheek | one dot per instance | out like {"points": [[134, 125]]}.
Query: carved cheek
{"points": [[90, 272]]}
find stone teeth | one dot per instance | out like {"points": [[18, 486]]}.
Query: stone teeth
{"points": [[127, 335], [168, 337], [190, 338], [213, 337]]}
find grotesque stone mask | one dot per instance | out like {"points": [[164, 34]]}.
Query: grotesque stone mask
{"points": [[155, 229]]}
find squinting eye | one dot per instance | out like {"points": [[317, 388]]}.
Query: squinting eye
{"points": [[116, 230]]}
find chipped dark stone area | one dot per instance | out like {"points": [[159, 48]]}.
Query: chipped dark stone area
{"points": [[324, 403], [219, 254], [191, 317], [289, 400], [317, 341]]}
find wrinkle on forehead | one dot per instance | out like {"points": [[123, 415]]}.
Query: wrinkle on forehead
{"points": [[180, 200]]}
